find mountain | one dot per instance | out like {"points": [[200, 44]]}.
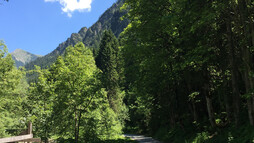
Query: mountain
{"points": [[22, 57], [110, 19]]}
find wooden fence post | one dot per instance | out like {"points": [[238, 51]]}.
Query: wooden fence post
{"points": [[30, 128], [26, 137]]}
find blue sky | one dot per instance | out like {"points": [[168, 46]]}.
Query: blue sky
{"points": [[39, 26]]}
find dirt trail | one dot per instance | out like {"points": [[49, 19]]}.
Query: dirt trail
{"points": [[142, 139]]}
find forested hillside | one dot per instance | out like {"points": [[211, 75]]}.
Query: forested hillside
{"points": [[181, 71], [110, 19]]}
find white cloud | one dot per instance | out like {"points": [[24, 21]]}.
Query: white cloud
{"points": [[69, 6]]}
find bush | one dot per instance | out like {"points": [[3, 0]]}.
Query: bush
{"points": [[201, 137]]}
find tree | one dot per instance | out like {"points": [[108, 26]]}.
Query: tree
{"points": [[70, 83], [70, 99], [41, 97], [12, 93], [108, 61], [171, 63], [75, 76], [152, 62]]}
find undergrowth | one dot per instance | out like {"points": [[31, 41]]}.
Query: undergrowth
{"points": [[241, 134]]}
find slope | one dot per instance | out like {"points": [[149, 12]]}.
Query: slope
{"points": [[110, 19], [22, 57]]}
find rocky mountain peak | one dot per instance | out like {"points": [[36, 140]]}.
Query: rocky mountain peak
{"points": [[22, 57]]}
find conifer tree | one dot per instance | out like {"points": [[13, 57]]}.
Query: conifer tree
{"points": [[107, 63]]}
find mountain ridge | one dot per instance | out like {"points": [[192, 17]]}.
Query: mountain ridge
{"points": [[22, 57], [91, 36]]}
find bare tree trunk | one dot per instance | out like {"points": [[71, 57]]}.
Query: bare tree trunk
{"points": [[235, 89], [210, 111], [228, 108], [193, 105], [195, 115], [79, 120], [227, 100], [248, 85], [250, 112], [248, 30], [251, 25], [76, 125], [252, 32], [209, 100]]}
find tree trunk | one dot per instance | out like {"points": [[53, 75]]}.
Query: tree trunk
{"points": [[76, 125], [252, 32], [193, 105], [247, 25], [210, 111], [235, 89], [248, 82], [79, 120], [195, 115], [209, 100], [250, 111], [227, 99], [228, 108], [251, 26], [248, 87]]}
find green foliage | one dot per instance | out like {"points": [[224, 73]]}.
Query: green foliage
{"points": [[69, 100], [12, 93], [201, 137], [101, 123], [151, 62], [183, 68], [184, 65], [193, 96], [109, 61], [41, 97], [75, 86], [243, 133]]}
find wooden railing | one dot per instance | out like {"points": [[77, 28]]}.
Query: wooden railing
{"points": [[26, 136]]}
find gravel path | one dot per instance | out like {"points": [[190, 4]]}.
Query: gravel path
{"points": [[141, 139]]}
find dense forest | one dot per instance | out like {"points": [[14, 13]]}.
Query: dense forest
{"points": [[181, 71]]}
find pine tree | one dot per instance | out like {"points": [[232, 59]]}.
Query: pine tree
{"points": [[107, 63]]}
